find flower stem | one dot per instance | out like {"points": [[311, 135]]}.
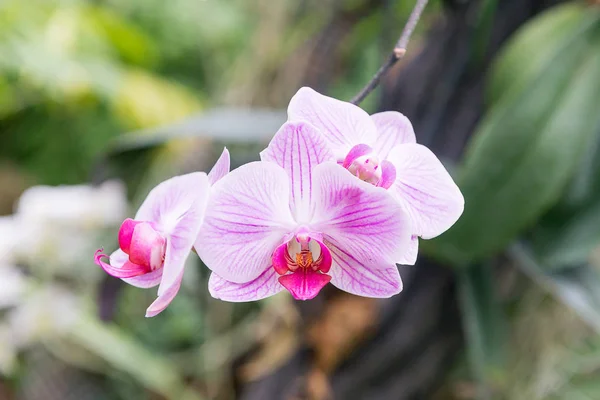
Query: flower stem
{"points": [[397, 53]]}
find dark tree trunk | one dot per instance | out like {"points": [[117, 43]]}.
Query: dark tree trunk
{"points": [[417, 334]]}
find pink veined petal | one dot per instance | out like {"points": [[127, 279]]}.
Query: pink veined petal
{"points": [[304, 284], [298, 148], [352, 276], [179, 203], [176, 207], [221, 167], [425, 189], [125, 270], [388, 174], [144, 281], [264, 286], [248, 215], [359, 218], [393, 129], [171, 199], [165, 298], [356, 151], [410, 255], [179, 244], [343, 124]]}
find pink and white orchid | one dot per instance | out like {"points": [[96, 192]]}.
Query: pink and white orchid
{"points": [[156, 243], [297, 220], [381, 149]]}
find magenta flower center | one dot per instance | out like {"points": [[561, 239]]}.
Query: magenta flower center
{"points": [[303, 263], [363, 163], [366, 168]]}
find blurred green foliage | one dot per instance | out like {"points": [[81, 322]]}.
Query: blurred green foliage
{"points": [[542, 118], [74, 74], [530, 180]]}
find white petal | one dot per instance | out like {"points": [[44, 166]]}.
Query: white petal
{"points": [[343, 124], [264, 286], [221, 167], [248, 215], [177, 206], [410, 255], [352, 276], [359, 218], [393, 129], [425, 189], [298, 148]]}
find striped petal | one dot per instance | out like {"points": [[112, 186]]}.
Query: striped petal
{"points": [[359, 218], [165, 298], [264, 286], [410, 255], [393, 129], [248, 215], [221, 167], [425, 189], [298, 148], [342, 124], [178, 206], [356, 277]]}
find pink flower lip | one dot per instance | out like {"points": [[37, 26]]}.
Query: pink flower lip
{"points": [[308, 260], [145, 246], [127, 270], [304, 284]]}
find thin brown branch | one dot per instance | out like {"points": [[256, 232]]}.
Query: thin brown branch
{"points": [[398, 52]]}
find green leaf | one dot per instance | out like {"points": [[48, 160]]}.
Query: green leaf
{"points": [[526, 150], [485, 327], [577, 287], [530, 50], [567, 234], [584, 189], [568, 242]]}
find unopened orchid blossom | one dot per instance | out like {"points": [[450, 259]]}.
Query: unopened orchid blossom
{"points": [[154, 246], [381, 149], [297, 220]]}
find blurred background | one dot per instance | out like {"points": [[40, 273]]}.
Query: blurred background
{"points": [[102, 99]]}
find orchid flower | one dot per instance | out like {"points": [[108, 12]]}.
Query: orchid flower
{"points": [[296, 220], [381, 149], [156, 243]]}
